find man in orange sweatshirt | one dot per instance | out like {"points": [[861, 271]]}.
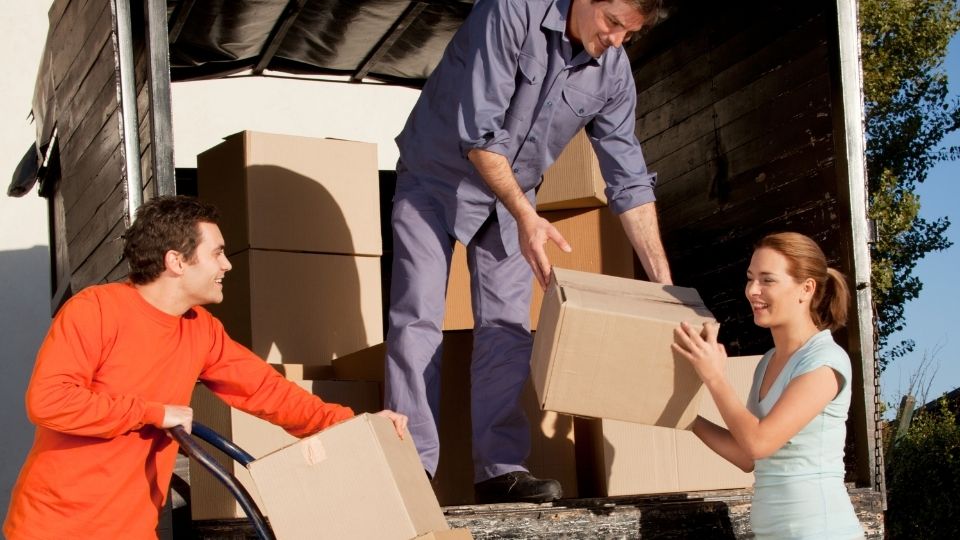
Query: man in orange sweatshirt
{"points": [[118, 367]]}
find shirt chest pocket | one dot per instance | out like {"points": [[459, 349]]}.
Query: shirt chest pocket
{"points": [[530, 75], [531, 71], [582, 105]]}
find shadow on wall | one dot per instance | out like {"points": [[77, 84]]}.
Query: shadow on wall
{"points": [[24, 320], [297, 292]]}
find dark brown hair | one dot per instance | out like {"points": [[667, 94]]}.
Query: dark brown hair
{"points": [[806, 260], [652, 10], [164, 224]]}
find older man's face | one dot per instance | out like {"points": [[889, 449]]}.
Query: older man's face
{"points": [[597, 25]]}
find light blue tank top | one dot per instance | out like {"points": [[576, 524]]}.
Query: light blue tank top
{"points": [[799, 491]]}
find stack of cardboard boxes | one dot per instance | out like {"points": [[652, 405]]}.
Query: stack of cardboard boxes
{"points": [[300, 219], [302, 224]]}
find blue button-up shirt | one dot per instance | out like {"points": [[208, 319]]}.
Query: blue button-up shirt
{"points": [[509, 82]]}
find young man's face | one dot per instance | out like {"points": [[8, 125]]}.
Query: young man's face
{"points": [[203, 275], [598, 24]]}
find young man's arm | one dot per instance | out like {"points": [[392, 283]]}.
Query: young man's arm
{"points": [[59, 395], [244, 381]]}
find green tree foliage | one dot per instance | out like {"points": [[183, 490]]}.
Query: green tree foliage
{"points": [[923, 478], [908, 113]]}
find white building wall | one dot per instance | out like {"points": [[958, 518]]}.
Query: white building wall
{"points": [[24, 255], [203, 113]]}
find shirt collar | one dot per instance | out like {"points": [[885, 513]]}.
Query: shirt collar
{"points": [[556, 20]]}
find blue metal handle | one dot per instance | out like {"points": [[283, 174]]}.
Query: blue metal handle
{"points": [[222, 444], [195, 451]]}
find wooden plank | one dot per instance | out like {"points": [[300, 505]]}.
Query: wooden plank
{"points": [[95, 193], [93, 103], [55, 14], [79, 168], [745, 145], [756, 47], [767, 106], [146, 165], [700, 150], [60, 258], [704, 514], [73, 55], [766, 205], [97, 229], [694, 29], [99, 264], [118, 273], [781, 78], [669, 47]]}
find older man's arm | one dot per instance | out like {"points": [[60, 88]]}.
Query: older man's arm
{"points": [[643, 230]]}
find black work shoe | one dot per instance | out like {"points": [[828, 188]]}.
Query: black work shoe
{"points": [[517, 486]]}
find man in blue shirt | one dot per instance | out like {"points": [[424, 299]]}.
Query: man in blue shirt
{"points": [[515, 84]]}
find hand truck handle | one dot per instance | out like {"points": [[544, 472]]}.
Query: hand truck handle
{"points": [[193, 449]]}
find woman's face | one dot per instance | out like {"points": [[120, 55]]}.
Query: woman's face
{"points": [[775, 296]]}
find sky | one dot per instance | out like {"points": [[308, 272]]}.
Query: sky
{"points": [[931, 319]]}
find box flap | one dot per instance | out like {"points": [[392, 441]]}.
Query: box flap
{"points": [[323, 486], [621, 295], [546, 338]]}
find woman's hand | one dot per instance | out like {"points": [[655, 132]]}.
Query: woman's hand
{"points": [[399, 420], [706, 355]]}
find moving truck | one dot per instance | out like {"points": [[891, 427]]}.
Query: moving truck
{"points": [[751, 113]]}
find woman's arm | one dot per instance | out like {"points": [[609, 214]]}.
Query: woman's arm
{"points": [[803, 399], [722, 442]]}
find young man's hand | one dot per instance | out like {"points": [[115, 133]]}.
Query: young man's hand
{"points": [[177, 415], [399, 420]]}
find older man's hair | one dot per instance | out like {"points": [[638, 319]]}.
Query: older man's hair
{"points": [[652, 10]]}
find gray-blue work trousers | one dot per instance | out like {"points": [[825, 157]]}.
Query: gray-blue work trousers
{"points": [[500, 294]]}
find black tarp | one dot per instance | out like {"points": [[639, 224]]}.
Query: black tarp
{"points": [[392, 40]]}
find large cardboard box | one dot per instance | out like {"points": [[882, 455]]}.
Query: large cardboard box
{"points": [[355, 480], [574, 180], [602, 349], [552, 453], [599, 246], [633, 459], [302, 308], [209, 498], [293, 193]]}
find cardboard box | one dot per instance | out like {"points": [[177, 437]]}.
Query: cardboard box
{"points": [[602, 349], [308, 372], [632, 459], [552, 452], [302, 308], [574, 180], [209, 498], [354, 480], [293, 193], [452, 534], [599, 246]]}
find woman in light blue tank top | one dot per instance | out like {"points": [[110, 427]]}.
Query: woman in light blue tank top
{"points": [[792, 430]]}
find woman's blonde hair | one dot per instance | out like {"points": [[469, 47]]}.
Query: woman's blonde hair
{"points": [[805, 260]]}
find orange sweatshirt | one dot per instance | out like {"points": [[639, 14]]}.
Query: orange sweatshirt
{"points": [[100, 467]]}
